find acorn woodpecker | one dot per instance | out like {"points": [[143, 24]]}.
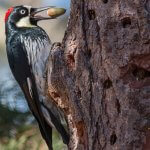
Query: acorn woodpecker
{"points": [[28, 47]]}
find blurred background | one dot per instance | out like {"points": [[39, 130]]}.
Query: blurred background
{"points": [[18, 129]]}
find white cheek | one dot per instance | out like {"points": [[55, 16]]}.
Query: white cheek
{"points": [[24, 22]]}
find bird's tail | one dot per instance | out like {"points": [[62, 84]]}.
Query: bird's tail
{"points": [[58, 125], [32, 98], [30, 90]]}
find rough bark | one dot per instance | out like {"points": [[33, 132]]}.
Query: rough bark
{"points": [[100, 75]]}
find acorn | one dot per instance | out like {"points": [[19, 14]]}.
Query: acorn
{"points": [[55, 12]]}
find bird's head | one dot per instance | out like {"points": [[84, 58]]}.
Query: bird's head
{"points": [[26, 16]]}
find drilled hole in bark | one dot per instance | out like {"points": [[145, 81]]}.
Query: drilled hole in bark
{"points": [[80, 128], [105, 1], [113, 138], [89, 53], [91, 14], [118, 106], [107, 84], [71, 60], [140, 73], [126, 22], [79, 94]]}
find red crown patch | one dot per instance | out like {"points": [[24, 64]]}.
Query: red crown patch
{"points": [[8, 13]]}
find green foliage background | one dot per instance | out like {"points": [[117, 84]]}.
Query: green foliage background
{"points": [[19, 131]]}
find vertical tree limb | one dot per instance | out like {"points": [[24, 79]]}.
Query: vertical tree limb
{"points": [[100, 76]]}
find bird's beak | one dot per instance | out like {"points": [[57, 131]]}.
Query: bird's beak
{"points": [[54, 12]]}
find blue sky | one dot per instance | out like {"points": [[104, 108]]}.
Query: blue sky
{"points": [[60, 3]]}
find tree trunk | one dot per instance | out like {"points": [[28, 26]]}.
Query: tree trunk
{"points": [[100, 75]]}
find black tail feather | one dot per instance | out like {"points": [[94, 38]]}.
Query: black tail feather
{"points": [[59, 127], [34, 104], [48, 139]]}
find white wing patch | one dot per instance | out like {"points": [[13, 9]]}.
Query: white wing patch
{"points": [[30, 86]]}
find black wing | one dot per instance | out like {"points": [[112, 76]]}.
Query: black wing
{"points": [[22, 72]]}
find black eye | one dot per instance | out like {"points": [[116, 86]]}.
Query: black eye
{"points": [[22, 11]]}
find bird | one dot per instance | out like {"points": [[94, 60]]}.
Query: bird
{"points": [[28, 47]]}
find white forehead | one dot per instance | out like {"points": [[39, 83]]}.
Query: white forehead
{"points": [[28, 7]]}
